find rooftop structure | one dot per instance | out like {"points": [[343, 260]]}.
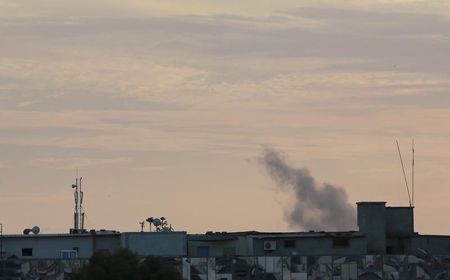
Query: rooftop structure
{"points": [[386, 236], [382, 230]]}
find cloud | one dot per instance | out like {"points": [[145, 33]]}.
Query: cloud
{"points": [[47, 198], [178, 60], [258, 63], [73, 163], [154, 168], [114, 84]]}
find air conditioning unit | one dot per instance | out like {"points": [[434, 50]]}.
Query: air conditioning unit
{"points": [[270, 245]]}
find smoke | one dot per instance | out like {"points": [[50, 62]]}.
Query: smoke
{"points": [[317, 206]]}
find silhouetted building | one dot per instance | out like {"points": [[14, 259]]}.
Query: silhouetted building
{"points": [[382, 230]]}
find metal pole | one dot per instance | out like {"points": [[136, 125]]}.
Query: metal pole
{"points": [[412, 175], [404, 174], [1, 250]]}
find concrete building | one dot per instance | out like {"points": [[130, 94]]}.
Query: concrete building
{"points": [[164, 244], [254, 243], [382, 230], [214, 244], [59, 246], [385, 247], [84, 245]]}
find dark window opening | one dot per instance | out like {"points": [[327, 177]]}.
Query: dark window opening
{"points": [[389, 250], [203, 251], [341, 242], [76, 249], [27, 252], [289, 243]]}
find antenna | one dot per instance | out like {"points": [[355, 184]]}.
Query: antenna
{"points": [[412, 172], [160, 224], [150, 221], [404, 173], [81, 207], [76, 198], [78, 215]]}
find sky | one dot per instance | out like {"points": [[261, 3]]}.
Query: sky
{"points": [[166, 107]]}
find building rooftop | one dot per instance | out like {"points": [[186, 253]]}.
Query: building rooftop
{"points": [[371, 202], [49, 235], [224, 236]]}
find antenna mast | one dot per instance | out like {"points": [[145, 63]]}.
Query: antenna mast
{"points": [[404, 173], [81, 208], [412, 171], [78, 215]]}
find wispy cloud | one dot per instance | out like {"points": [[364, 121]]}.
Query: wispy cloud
{"points": [[154, 168], [188, 64], [73, 163], [114, 83]]}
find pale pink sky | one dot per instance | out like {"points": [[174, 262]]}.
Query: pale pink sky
{"points": [[165, 107]]}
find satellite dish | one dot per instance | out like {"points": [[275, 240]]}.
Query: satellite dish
{"points": [[166, 229], [35, 230], [156, 222], [26, 231]]}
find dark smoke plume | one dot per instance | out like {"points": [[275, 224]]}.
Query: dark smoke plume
{"points": [[317, 206]]}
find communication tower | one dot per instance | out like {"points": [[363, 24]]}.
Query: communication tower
{"points": [[78, 215]]}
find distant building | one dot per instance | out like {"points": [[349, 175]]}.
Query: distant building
{"points": [[164, 244], [385, 247], [60, 246], [382, 230]]}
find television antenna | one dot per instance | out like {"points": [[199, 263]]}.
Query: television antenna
{"points": [[412, 171], [404, 173]]}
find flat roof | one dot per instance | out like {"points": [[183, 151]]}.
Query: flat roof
{"points": [[223, 236], [431, 235], [371, 202], [400, 207], [211, 237], [59, 235]]}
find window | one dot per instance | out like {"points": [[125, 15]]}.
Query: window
{"points": [[341, 242], [290, 243], [69, 254], [27, 252], [203, 251], [389, 250]]}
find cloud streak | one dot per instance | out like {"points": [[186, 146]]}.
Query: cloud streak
{"points": [[162, 84]]}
